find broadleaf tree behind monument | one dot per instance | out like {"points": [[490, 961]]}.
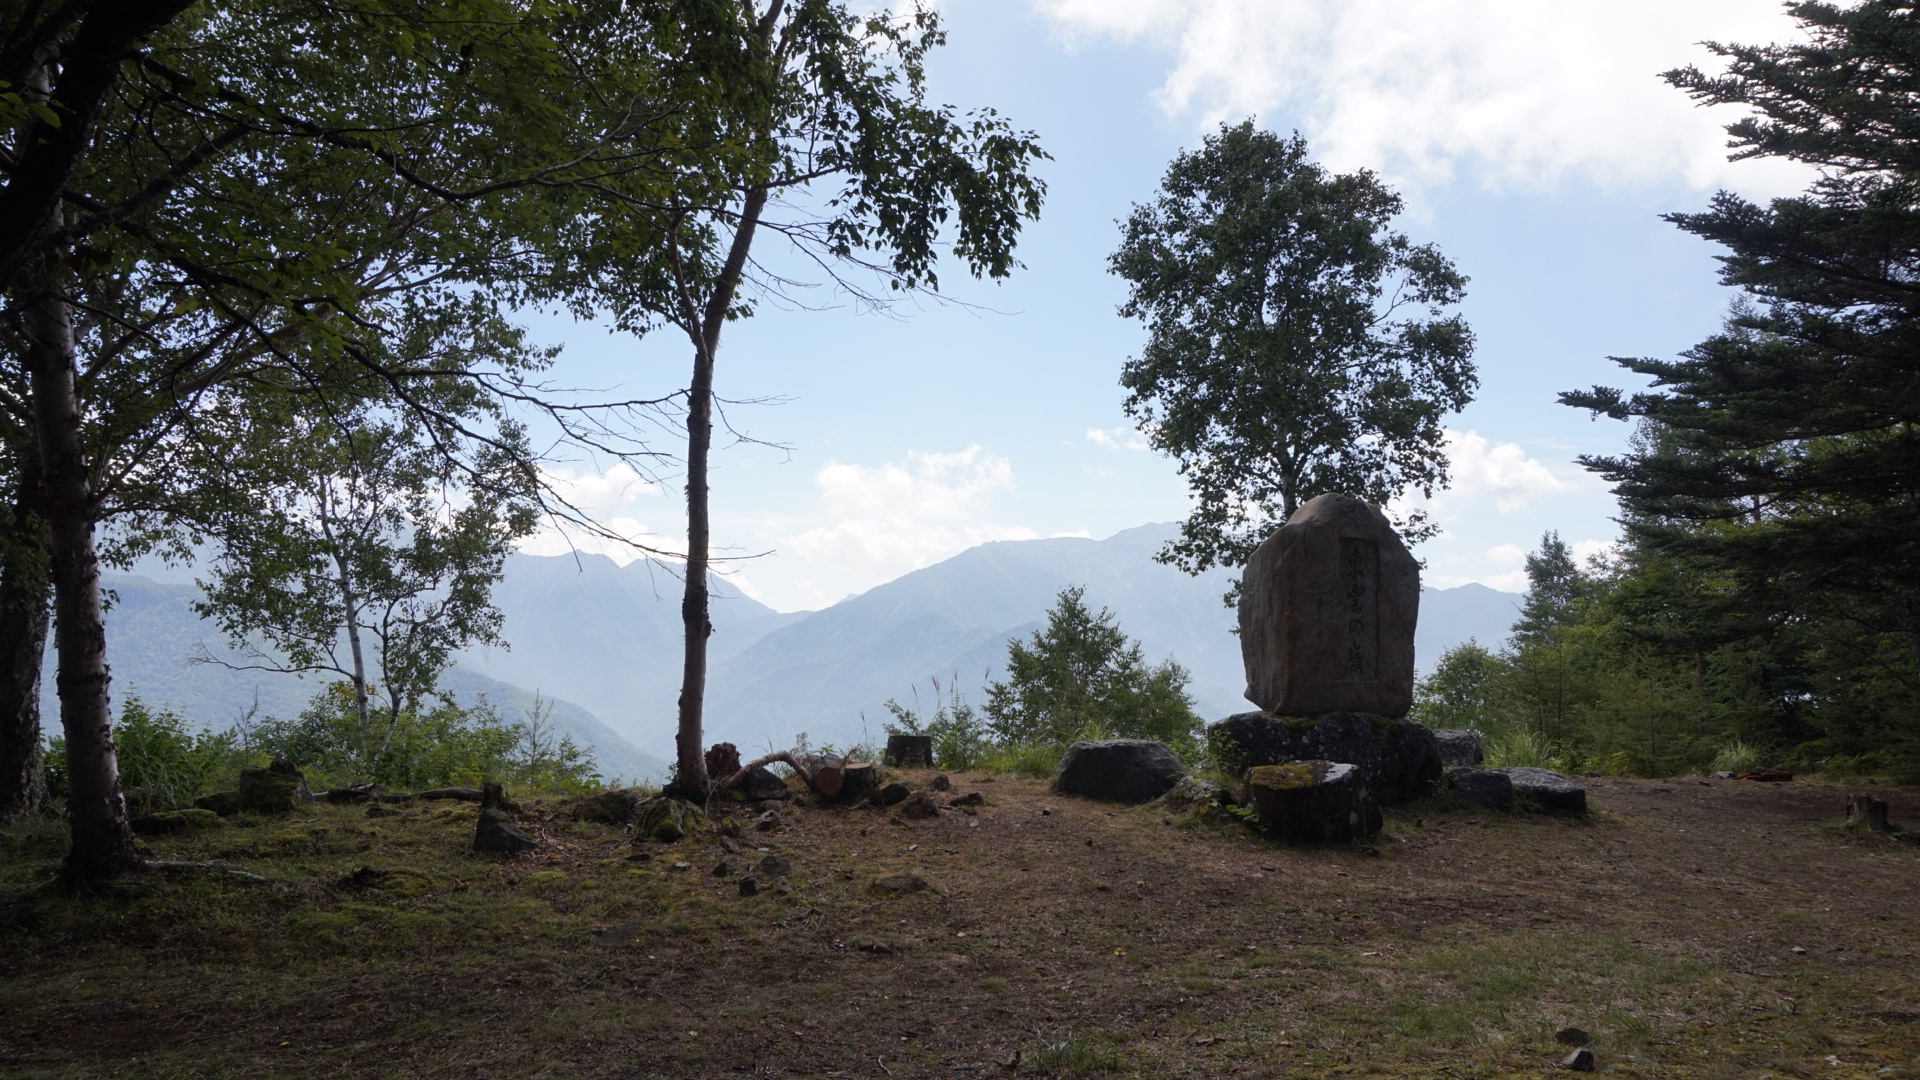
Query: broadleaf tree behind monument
{"points": [[1297, 345]]}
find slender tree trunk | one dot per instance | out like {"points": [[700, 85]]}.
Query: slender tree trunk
{"points": [[102, 841], [23, 646], [690, 776], [690, 767]]}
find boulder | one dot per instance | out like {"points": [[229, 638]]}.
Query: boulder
{"points": [[918, 806], [1193, 793], [605, 808], [667, 819], [1312, 801], [1547, 790], [1459, 748], [613, 807], [768, 821], [272, 790], [223, 803], [761, 784], [492, 834], [1118, 770], [891, 794], [167, 822], [1483, 787], [1399, 760], [1327, 609], [900, 884], [772, 866]]}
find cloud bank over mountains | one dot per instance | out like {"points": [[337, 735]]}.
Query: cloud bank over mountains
{"points": [[1518, 94]]}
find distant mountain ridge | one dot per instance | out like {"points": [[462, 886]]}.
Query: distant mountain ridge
{"points": [[603, 642], [608, 637], [152, 632]]}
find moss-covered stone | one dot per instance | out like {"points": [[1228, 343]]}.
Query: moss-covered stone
{"points": [[222, 803], [176, 821], [271, 790], [613, 807], [667, 820], [1399, 759]]}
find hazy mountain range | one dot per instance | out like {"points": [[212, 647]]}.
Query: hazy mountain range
{"points": [[602, 641]]}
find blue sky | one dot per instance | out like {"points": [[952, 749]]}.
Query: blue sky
{"points": [[1533, 143]]}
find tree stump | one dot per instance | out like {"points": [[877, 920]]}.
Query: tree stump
{"points": [[910, 751], [1313, 802], [723, 760], [858, 780], [1868, 812]]}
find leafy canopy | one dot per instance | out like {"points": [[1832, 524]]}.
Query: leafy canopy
{"points": [[1297, 344]]}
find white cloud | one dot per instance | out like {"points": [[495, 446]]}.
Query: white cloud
{"points": [[1507, 556], [1524, 93], [1584, 550], [612, 500], [894, 518], [1116, 438], [1502, 471]]}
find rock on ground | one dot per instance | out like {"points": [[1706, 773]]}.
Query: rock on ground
{"points": [[175, 821], [1399, 759], [1547, 789], [761, 784], [605, 807], [1192, 793], [1118, 770], [1482, 787], [272, 790], [1459, 748], [918, 806], [667, 819], [1312, 801], [492, 834]]}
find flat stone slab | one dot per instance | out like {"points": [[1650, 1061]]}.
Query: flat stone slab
{"points": [[1546, 789], [1327, 610], [1482, 787], [1399, 759], [1119, 770]]}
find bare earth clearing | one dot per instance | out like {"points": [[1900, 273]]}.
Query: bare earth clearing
{"points": [[1077, 935]]}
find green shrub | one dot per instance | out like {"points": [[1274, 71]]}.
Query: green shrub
{"points": [[1522, 748], [1737, 756], [960, 736], [437, 745], [163, 764]]}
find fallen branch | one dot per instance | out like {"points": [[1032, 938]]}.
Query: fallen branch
{"points": [[830, 777]]}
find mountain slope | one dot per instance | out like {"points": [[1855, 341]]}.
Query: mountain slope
{"points": [[608, 637], [152, 633], [821, 673]]}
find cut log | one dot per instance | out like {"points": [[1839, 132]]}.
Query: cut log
{"points": [[826, 775], [910, 751], [1868, 812]]}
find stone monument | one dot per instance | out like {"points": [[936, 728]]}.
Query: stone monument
{"points": [[1327, 611]]}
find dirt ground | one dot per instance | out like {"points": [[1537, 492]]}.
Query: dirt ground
{"points": [[1692, 928]]}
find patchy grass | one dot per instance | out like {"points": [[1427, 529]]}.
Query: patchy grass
{"points": [[1086, 939]]}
